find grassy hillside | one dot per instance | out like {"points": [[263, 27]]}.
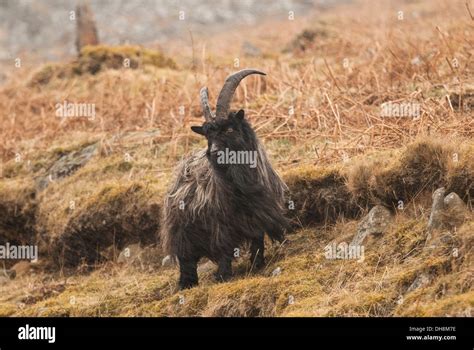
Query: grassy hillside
{"points": [[84, 189]]}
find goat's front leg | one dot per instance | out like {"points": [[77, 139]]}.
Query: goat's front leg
{"points": [[224, 271], [257, 257], [188, 276]]}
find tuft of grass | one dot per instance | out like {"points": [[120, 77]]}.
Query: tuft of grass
{"points": [[18, 207], [96, 58], [461, 173], [421, 167]]}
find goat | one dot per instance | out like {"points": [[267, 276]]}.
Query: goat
{"points": [[216, 205]]}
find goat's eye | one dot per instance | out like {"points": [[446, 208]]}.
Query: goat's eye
{"points": [[229, 130]]}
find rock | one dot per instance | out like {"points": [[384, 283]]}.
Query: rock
{"points": [[455, 210], [436, 217], [10, 274], [85, 26], [66, 165], [446, 212], [453, 201], [276, 272], [206, 267], [22, 268], [420, 281], [130, 254], [248, 49], [374, 223], [167, 261], [416, 61]]}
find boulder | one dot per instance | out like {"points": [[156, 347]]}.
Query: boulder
{"points": [[66, 165], [447, 211], [436, 217], [455, 210], [374, 223]]}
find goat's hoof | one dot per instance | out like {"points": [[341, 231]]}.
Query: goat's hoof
{"points": [[185, 285]]}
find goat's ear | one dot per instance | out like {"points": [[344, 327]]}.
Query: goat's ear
{"points": [[240, 115], [198, 130]]}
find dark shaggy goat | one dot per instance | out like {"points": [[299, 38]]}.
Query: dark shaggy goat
{"points": [[215, 206]]}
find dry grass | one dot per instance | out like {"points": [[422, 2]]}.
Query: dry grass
{"points": [[309, 285], [336, 106], [318, 113]]}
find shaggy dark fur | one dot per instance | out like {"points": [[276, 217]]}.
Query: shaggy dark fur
{"points": [[212, 209]]}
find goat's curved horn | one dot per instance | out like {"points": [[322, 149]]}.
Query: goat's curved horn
{"points": [[227, 92], [206, 109]]}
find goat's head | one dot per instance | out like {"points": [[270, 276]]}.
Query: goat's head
{"points": [[226, 129]]}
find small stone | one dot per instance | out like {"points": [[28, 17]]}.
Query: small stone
{"points": [[420, 281], [129, 254], [276, 272], [416, 61], [374, 223], [22, 268], [8, 273], [167, 261], [67, 165], [206, 267]]}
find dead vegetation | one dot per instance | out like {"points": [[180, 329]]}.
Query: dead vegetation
{"points": [[309, 284], [93, 59], [319, 114]]}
